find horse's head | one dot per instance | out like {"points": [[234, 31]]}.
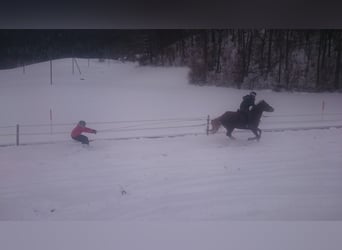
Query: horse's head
{"points": [[264, 106]]}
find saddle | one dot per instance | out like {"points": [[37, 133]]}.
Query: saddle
{"points": [[238, 119]]}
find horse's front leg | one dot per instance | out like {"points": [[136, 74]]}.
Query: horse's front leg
{"points": [[259, 130], [257, 133]]}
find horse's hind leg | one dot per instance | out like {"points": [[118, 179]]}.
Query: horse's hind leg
{"points": [[229, 133]]}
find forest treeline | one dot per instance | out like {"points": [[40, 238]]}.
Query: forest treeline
{"points": [[287, 59], [259, 58]]}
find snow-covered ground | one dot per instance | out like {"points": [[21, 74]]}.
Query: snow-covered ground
{"points": [[169, 169]]}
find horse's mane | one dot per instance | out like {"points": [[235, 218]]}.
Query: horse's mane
{"points": [[260, 102], [257, 104]]}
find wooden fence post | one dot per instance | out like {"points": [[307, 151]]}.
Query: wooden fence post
{"points": [[73, 67], [323, 108], [208, 121], [17, 133], [78, 67]]}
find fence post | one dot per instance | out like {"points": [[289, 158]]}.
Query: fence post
{"points": [[208, 121], [323, 107], [17, 138], [78, 67], [73, 70]]}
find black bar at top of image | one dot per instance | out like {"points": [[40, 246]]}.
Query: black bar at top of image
{"points": [[161, 14]]}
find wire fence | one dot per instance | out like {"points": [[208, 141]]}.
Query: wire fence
{"points": [[304, 118], [26, 133], [154, 128]]}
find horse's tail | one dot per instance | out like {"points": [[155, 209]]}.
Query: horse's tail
{"points": [[215, 125]]}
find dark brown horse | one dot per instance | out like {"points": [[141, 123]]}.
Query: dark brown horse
{"points": [[231, 120]]}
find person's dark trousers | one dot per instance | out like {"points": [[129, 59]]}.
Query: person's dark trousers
{"points": [[81, 138], [244, 117], [248, 118]]}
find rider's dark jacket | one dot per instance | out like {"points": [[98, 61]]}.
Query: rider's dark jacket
{"points": [[247, 101]]}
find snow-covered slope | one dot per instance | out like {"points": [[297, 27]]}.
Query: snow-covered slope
{"points": [[289, 175]]}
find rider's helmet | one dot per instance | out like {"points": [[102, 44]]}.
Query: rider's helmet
{"points": [[82, 123], [253, 93]]}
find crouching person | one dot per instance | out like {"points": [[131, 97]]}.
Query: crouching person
{"points": [[76, 133]]}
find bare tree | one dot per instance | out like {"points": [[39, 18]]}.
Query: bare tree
{"points": [[338, 60], [269, 52], [219, 51], [287, 49], [205, 53], [318, 69], [249, 54]]}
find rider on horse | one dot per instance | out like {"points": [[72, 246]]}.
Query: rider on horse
{"points": [[247, 102]]}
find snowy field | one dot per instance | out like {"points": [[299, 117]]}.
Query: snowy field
{"points": [[151, 159]]}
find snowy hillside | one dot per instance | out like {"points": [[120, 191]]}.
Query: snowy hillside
{"points": [[151, 158]]}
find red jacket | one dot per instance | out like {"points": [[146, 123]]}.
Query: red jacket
{"points": [[79, 130]]}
